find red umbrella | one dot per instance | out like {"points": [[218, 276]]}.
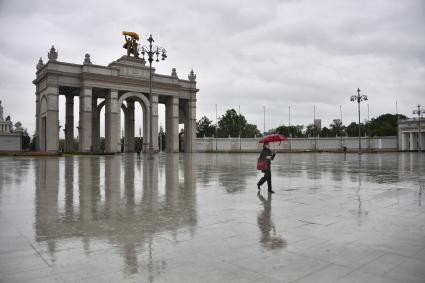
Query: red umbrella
{"points": [[273, 138]]}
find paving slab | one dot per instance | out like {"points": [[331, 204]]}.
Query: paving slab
{"points": [[200, 218]]}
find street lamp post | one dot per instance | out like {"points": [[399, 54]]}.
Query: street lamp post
{"points": [[358, 98], [419, 112], [151, 52], [216, 125]]}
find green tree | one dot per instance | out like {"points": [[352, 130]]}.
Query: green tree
{"points": [[230, 124], [204, 127], [312, 131], [290, 131], [32, 144], [353, 129], [233, 124], [326, 132], [337, 128], [384, 125], [250, 131]]}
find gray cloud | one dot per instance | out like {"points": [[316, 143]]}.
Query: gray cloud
{"points": [[248, 53]]}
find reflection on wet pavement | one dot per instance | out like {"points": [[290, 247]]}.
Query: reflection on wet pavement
{"points": [[198, 217]]}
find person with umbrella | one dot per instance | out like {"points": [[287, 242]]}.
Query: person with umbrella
{"points": [[264, 161], [266, 156]]}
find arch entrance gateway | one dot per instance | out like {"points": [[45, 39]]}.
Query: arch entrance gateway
{"points": [[117, 86]]}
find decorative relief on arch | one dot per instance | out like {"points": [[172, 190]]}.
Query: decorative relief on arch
{"points": [[43, 105]]}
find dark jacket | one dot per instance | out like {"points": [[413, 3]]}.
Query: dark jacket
{"points": [[267, 152]]}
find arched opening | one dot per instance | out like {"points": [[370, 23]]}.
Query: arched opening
{"points": [[138, 126], [134, 121], [68, 120]]}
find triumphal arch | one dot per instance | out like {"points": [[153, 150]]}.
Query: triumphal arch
{"points": [[116, 87]]}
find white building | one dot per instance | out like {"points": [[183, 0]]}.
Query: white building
{"points": [[5, 125], [9, 141], [408, 134]]}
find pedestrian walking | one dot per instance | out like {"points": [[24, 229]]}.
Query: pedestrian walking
{"points": [[266, 156]]}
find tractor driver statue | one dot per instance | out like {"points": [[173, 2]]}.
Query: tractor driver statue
{"points": [[130, 44]]}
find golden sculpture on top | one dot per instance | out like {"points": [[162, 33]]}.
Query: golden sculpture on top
{"points": [[130, 44]]}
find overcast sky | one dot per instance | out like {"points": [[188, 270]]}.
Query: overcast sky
{"points": [[250, 53]]}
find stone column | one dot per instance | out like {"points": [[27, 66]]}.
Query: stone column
{"points": [[95, 126], [190, 125], [51, 126], [85, 126], [129, 127], [69, 123], [402, 142], [172, 125], [154, 121], [412, 145], [112, 123], [146, 128]]}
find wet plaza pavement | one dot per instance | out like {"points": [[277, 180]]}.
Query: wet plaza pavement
{"points": [[198, 218]]}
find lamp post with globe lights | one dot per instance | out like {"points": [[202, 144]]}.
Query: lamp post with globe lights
{"points": [[151, 52], [358, 98]]}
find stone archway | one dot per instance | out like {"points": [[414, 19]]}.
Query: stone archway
{"points": [[130, 98], [129, 118], [125, 79]]}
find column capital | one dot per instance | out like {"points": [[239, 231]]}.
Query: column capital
{"points": [[86, 91], [113, 93]]}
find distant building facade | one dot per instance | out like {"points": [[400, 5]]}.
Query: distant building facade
{"points": [[9, 140], [318, 123], [408, 134]]}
